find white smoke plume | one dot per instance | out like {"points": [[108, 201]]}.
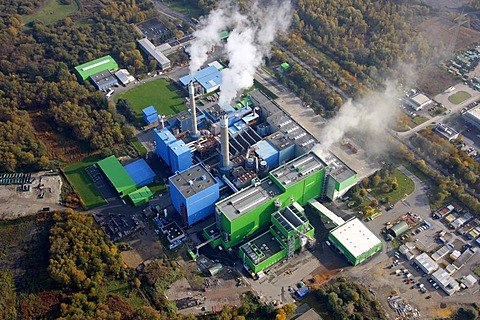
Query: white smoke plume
{"points": [[368, 118], [252, 33]]}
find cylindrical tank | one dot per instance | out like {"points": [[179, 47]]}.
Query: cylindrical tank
{"points": [[263, 166], [250, 164], [263, 129]]}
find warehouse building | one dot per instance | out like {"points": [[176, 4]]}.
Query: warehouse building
{"points": [[194, 192], [398, 229], [140, 172], [103, 80], [124, 76], [418, 101], [473, 117], [140, 196], [340, 177], [84, 71], [445, 281], [355, 241], [117, 175], [426, 263], [154, 52]]}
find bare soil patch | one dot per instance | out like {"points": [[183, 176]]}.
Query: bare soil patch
{"points": [[435, 79], [144, 245], [16, 203]]}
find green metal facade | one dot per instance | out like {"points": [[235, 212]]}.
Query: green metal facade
{"points": [[259, 218], [350, 257], [118, 176], [98, 65], [140, 196], [346, 183]]}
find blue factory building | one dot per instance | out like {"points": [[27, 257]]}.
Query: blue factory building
{"points": [[267, 152], [103, 80], [150, 114], [140, 172], [208, 78], [194, 192], [163, 138], [180, 156]]}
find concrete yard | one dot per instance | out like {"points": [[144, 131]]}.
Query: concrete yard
{"points": [[16, 203]]}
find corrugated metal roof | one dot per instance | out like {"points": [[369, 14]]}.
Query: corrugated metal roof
{"points": [[149, 111], [117, 174], [95, 66]]}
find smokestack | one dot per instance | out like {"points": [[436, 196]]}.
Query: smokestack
{"points": [[162, 124], [191, 90], [224, 141]]}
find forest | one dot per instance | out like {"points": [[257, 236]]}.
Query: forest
{"points": [[40, 94]]}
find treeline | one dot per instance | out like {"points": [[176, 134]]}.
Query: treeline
{"points": [[345, 299], [7, 296], [36, 78]]}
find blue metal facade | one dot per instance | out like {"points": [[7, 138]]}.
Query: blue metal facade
{"points": [[286, 154], [150, 114], [140, 172], [180, 156], [198, 205], [163, 138], [267, 152]]}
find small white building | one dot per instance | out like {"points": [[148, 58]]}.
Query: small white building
{"points": [[469, 280], [124, 76], [418, 101], [446, 131], [426, 263], [445, 281]]}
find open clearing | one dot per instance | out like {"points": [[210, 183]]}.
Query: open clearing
{"points": [[51, 12], [405, 186], [82, 183], [183, 7], [16, 203], [161, 94], [459, 97]]}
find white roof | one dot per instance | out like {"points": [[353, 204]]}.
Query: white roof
{"points": [[156, 54], [216, 64], [327, 213], [426, 263], [420, 99], [445, 281], [355, 237], [474, 113], [469, 280]]}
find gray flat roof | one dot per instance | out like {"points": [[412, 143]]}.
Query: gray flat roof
{"points": [[262, 247], [279, 140], [156, 54], [338, 170], [297, 169], [249, 198], [103, 77], [193, 180]]}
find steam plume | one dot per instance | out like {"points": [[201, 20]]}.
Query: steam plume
{"points": [[368, 118], [252, 33]]}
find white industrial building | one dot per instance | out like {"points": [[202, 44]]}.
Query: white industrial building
{"points": [[155, 52], [124, 76], [418, 101], [426, 263], [445, 281], [473, 116], [446, 131]]}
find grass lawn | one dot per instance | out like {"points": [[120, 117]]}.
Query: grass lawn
{"points": [[477, 271], [410, 167], [139, 148], [126, 292], [183, 7], [51, 12], [419, 120], [82, 183], [459, 97], [157, 187], [161, 94], [405, 186]]}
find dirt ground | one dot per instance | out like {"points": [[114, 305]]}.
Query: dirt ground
{"points": [[144, 245], [16, 203], [434, 79]]}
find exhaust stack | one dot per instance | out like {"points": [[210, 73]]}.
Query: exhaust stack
{"points": [[225, 152], [191, 91]]}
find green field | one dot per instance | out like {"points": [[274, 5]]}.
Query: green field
{"points": [[51, 12], [405, 186], [183, 7], [82, 183], [126, 292], [161, 94], [410, 167], [459, 97]]}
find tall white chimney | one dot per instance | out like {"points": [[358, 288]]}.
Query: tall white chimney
{"points": [[191, 90], [224, 141]]}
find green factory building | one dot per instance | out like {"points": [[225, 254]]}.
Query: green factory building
{"points": [[290, 231], [84, 71], [249, 210], [340, 178], [355, 241]]}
